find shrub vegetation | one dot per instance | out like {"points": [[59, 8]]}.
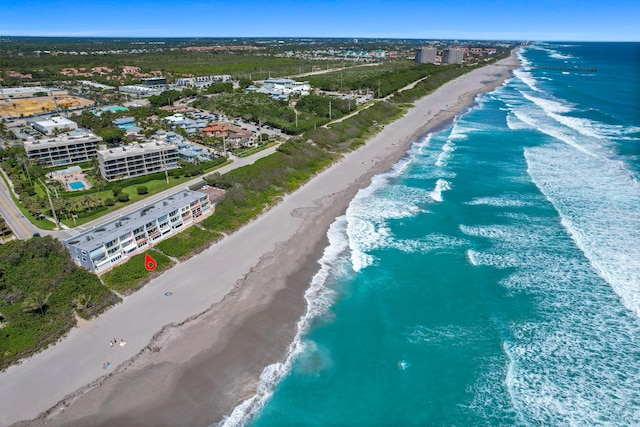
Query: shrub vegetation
{"points": [[41, 290], [130, 276]]}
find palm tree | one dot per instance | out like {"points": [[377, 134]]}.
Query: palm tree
{"points": [[35, 302], [82, 302]]}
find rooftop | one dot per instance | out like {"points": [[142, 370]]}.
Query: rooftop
{"points": [[135, 149], [98, 236]]}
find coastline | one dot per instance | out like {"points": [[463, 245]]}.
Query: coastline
{"points": [[196, 371]]}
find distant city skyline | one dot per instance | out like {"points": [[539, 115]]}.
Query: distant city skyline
{"points": [[546, 20]]}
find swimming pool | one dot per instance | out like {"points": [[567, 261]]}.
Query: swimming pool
{"points": [[76, 185]]}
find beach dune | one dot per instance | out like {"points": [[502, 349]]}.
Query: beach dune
{"points": [[191, 357]]}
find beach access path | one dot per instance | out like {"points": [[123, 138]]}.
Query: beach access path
{"points": [[67, 383]]}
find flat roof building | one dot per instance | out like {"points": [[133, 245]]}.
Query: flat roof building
{"points": [[282, 88], [142, 90], [154, 81], [115, 241], [203, 81], [137, 159], [28, 92], [72, 147], [48, 127]]}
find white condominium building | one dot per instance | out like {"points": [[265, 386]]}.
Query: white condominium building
{"points": [[115, 241], [137, 159], [72, 147]]}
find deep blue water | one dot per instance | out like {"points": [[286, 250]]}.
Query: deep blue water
{"points": [[493, 276]]}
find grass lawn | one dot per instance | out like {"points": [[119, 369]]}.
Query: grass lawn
{"points": [[154, 186]]}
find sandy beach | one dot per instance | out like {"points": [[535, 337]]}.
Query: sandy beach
{"points": [[191, 357]]}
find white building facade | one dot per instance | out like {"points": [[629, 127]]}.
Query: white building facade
{"points": [[73, 147], [287, 87], [114, 242], [48, 127], [137, 159]]}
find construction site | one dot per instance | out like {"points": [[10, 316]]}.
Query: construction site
{"points": [[25, 107]]}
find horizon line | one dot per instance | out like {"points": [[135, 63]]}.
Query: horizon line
{"points": [[313, 37]]}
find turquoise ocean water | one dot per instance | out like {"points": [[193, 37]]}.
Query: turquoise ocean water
{"points": [[493, 276]]}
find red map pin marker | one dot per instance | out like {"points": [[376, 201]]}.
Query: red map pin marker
{"points": [[149, 263]]}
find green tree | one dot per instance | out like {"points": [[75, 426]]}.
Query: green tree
{"points": [[220, 88], [142, 189], [35, 301], [3, 228], [111, 135], [82, 302], [123, 197], [245, 83]]}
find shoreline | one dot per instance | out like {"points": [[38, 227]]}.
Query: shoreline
{"points": [[195, 371]]}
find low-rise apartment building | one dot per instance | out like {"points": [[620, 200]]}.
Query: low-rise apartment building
{"points": [[72, 147], [115, 241], [137, 159]]}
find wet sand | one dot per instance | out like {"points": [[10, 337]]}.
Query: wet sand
{"points": [[235, 306]]}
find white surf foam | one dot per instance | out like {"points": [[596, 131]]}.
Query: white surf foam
{"points": [[445, 154], [319, 298], [524, 62], [367, 217], [527, 78], [514, 123], [536, 121], [548, 105], [599, 206], [506, 200], [441, 185]]}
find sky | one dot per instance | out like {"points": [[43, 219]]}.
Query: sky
{"points": [[544, 20]]}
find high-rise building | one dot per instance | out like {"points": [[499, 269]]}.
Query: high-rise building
{"points": [[453, 56], [426, 55]]}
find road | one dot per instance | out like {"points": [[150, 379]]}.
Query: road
{"points": [[24, 229]]}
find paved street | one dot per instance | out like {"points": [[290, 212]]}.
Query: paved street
{"points": [[24, 229]]}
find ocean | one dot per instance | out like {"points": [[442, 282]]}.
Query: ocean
{"points": [[492, 277]]}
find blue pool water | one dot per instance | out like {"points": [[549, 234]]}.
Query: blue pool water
{"points": [[76, 185]]}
